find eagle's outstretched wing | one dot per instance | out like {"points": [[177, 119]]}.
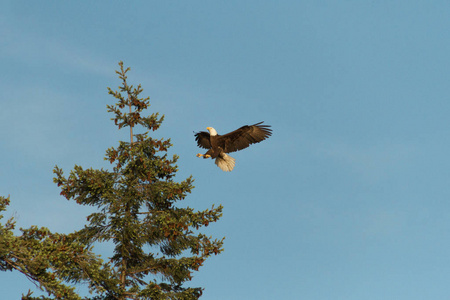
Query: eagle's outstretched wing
{"points": [[202, 139], [244, 137]]}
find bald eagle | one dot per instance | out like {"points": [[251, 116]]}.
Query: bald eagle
{"points": [[219, 145]]}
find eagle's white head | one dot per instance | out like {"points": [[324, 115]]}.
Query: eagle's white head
{"points": [[212, 131]]}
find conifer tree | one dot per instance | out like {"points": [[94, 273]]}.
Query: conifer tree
{"points": [[157, 245]]}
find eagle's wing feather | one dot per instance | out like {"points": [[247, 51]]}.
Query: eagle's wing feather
{"points": [[244, 137], [202, 139]]}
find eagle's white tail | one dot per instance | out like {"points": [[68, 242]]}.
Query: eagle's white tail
{"points": [[226, 162]]}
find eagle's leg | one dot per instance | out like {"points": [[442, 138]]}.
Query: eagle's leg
{"points": [[203, 155]]}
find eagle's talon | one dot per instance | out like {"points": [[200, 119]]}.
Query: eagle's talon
{"points": [[199, 155]]}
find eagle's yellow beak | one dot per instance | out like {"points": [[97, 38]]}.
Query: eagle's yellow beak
{"points": [[208, 128]]}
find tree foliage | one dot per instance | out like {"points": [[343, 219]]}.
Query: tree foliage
{"points": [[157, 245], [52, 261]]}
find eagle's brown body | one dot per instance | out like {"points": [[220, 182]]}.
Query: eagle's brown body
{"points": [[219, 145]]}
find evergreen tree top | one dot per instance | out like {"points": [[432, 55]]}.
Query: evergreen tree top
{"points": [[137, 210]]}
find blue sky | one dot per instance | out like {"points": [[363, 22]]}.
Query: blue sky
{"points": [[349, 199]]}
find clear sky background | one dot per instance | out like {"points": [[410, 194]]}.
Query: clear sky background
{"points": [[350, 197]]}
